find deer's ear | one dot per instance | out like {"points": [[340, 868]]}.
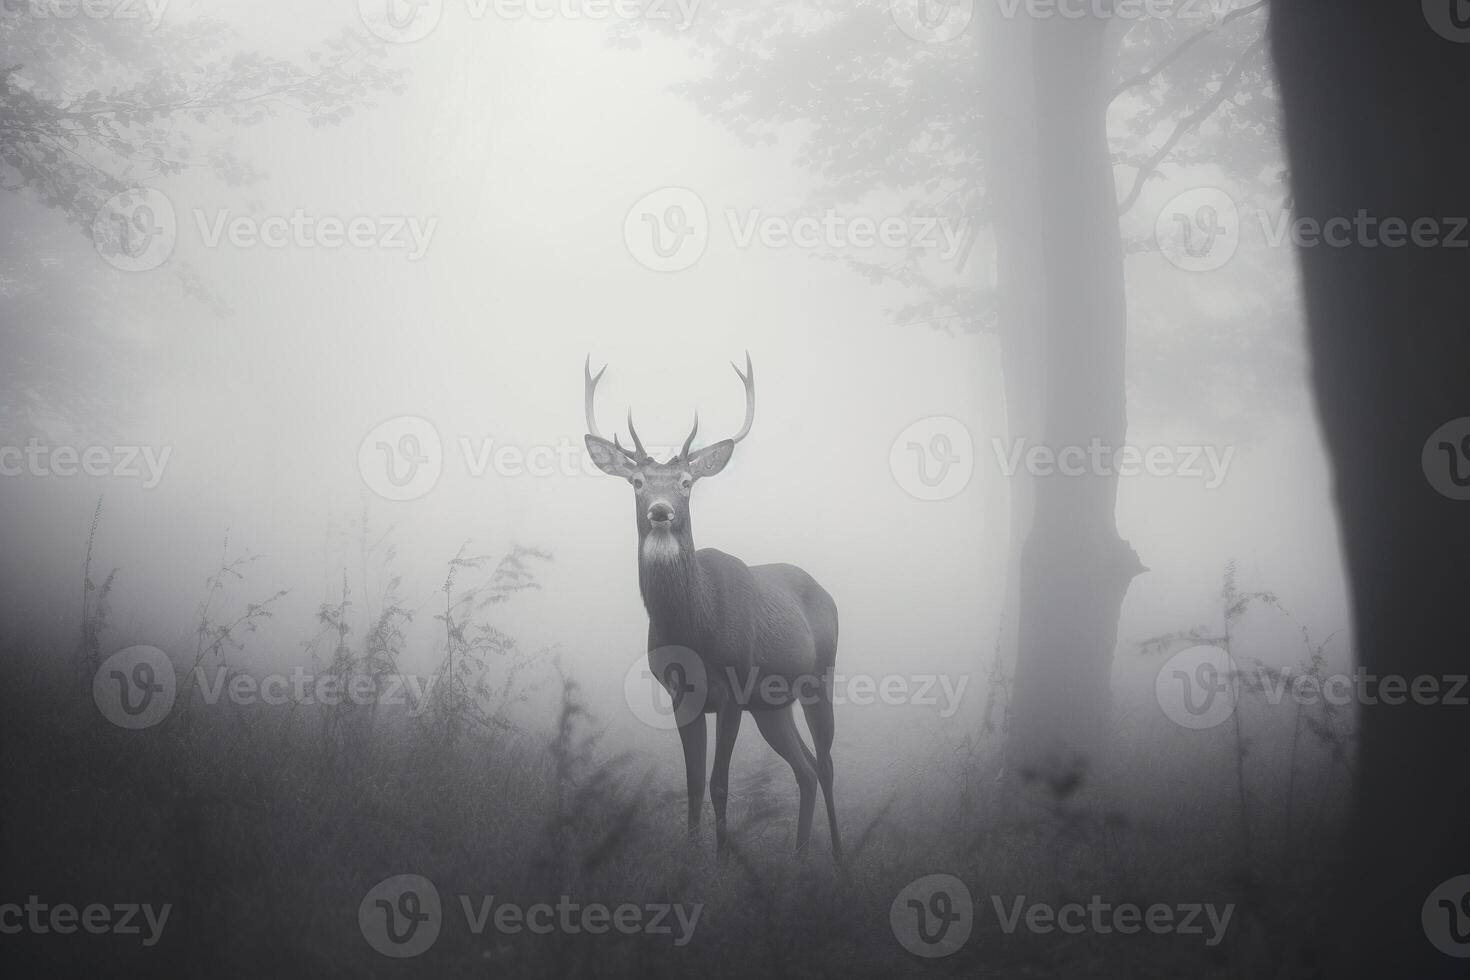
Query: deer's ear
{"points": [[607, 458], [711, 459]]}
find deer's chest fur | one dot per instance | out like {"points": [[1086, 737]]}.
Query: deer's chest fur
{"points": [[713, 604], [701, 600]]}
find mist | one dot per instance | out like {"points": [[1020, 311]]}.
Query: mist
{"points": [[335, 395]]}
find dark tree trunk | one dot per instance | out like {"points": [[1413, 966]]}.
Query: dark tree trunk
{"points": [[1376, 104], [1075, 570]]}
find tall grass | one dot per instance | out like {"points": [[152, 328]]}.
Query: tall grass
{"points": [[265, 825]]}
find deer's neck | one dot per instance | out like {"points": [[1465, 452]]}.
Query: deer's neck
{"points": [[674, 591]]}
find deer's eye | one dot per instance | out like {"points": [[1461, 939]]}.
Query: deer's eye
{"points": [[637, 483], [686, 483]]}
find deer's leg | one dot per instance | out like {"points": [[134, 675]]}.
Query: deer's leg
{"points": [[819, 720], [693, 736], [778, 727], [727, 726]]}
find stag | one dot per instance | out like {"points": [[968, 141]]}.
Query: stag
{"points": [[765, 636]]}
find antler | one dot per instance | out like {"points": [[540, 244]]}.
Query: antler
{"points": [[637, 443], [684, 453], [748, 378], [589, 391]]}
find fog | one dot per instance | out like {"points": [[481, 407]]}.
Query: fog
{"points": [[523, 153]]}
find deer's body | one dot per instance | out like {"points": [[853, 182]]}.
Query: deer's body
{"points": [[766, 636], [773, 619]]}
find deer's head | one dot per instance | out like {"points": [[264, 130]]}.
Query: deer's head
{"points": [[661, 490]]}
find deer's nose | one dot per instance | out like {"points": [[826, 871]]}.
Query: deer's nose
{"points": [[660, 513]]}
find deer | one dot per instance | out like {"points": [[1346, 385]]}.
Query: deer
{"points": [[765, 636]]}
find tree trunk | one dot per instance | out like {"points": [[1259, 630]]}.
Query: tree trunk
{"points": [[1375, 103], [1014, 198], [1075, 570]]}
